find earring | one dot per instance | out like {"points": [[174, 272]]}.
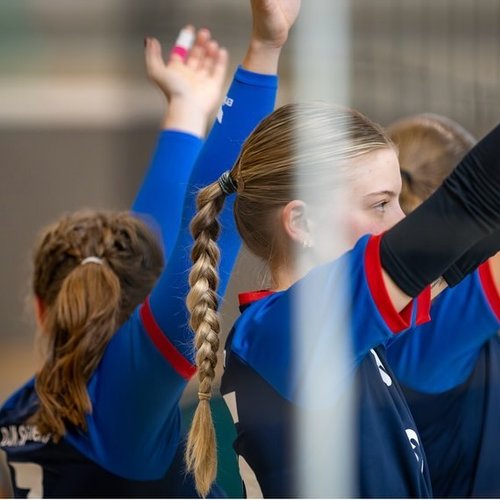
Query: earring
{"points": [[306, 244]]}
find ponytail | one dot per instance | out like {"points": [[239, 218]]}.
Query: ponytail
{"points": [[84, 317], [202, 302]]}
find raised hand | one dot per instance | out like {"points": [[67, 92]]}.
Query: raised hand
{"points": [[272, 20], [191, 85]]}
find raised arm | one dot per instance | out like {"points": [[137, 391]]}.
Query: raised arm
{"points": [[192, 87], [143, 373], [272, 21], [134, 387], [250, 98], [464, 211]]}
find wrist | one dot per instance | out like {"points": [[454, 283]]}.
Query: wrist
{"points": [[185, 115], [262, 57]]}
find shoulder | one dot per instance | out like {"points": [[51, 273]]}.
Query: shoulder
{"points": [[21, 404]]}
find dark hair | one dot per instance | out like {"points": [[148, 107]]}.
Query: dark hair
{"points": [[84, 304]]}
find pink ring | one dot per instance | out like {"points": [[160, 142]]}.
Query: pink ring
{"points": [[180, 51]]}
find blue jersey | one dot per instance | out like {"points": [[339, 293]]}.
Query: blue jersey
{"points": [[450, 371], [134, 439], [260, 382], [39, 467]]}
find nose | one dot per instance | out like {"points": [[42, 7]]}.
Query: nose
{"points": [[396, 215], [399, 215]]}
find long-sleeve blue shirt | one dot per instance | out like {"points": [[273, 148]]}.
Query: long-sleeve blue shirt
{"points": [[132, 445], [450, 372], [264, 382]]}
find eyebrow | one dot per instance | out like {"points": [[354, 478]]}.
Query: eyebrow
{"points": [[379, 193]]}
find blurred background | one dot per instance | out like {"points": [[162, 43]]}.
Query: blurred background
{"points": [[79, 121]]}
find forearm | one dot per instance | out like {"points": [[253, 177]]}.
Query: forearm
{"points": [[250, 98], [461, 213], [163, 188], [185, 116], [475, 256]]}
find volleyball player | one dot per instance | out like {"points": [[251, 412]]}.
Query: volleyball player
{"points": [[384, 274], [101, 418], [450, 368]]}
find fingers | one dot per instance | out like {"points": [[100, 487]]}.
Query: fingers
{"points": [[220, 65], [196, 56], [211, 53], [215, 61], [205, 56], [153, 57], [183, 44]]}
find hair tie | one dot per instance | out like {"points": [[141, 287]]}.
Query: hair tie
{"points": [[204, 396], [227, 183], [93, 260]]}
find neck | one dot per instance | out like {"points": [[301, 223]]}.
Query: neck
{"points": [[283, 277]]}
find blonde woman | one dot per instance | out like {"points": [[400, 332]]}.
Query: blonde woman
{"points": [[388, 289]]}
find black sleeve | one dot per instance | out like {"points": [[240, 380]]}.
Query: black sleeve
{"points": [[460, 214], [471, 259]]}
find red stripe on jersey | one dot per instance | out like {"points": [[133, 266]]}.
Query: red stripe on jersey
{"points": [[180, 364], [373, 268], [424, 306], [246, 298], [489, 287]]}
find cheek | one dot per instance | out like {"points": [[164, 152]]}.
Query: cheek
{"points": [[359, 223]]}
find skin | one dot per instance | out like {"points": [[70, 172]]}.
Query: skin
{"points": [[272, 20], [5, 486], [374, 195], [370, 205], [192, 88]]}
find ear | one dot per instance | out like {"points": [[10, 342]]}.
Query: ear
{"points": [[39, 311], [296, 223]]}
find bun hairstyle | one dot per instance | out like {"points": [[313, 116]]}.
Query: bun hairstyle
{"points": [[430, 147], [91, 269], [264, 179]]}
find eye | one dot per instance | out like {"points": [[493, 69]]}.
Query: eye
{"points": [[380, 206]]}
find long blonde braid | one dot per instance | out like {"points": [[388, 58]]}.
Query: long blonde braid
{"points": [[202, 303], [265, 175]]}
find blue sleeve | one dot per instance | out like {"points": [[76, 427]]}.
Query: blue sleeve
{"points": [[440, 355], [350, 311], [250, 98], [135, 426], [147, 364], [160, 197]]}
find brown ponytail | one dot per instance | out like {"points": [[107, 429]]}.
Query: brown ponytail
{"points": [[84, 303], [202, 302], [85, 315]]}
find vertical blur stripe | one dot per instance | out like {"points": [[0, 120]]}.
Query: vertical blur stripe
{"points": [[324, 437]]}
